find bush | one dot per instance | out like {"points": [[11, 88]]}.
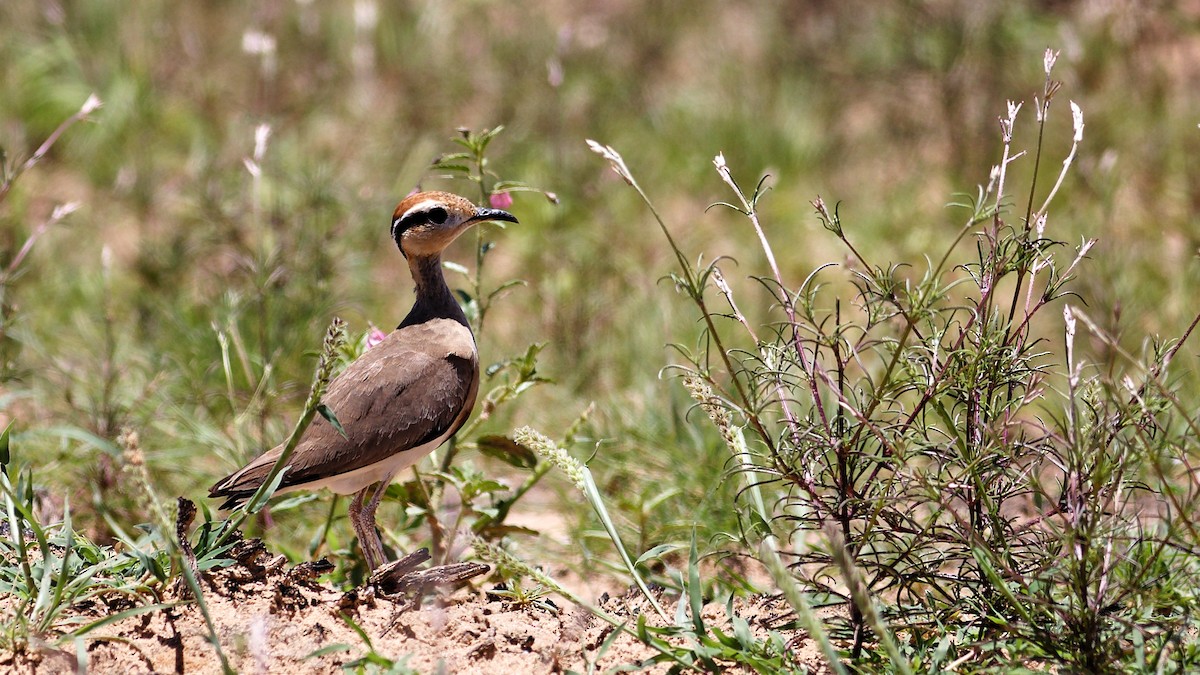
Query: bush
{"points": [[936, 456]]}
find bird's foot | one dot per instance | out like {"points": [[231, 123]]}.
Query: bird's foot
{"points": [[402, 576], [398, 568]]}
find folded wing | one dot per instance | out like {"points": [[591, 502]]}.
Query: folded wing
{"points": [[416, 386]]}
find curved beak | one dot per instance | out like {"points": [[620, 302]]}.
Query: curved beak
{"points": [[482, 214]]}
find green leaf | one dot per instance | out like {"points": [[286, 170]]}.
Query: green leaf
{"points": [[5, 455], [68, 548], [461, 168], [118, 617], [741, 630], [507, 450], [505, 287], [656, 552], [293, 502], [362, 634], [642, 633], [83, 436], [478, 487], [612, 637], [695, 599], [332, 418], [328, 649], [253, 506]]}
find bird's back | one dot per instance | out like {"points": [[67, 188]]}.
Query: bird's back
{"points": [[396, 403]]}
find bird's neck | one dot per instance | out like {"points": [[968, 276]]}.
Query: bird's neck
{"points": [[434, 298]]}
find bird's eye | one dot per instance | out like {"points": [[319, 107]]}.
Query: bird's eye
{"points": [[437, 215]]}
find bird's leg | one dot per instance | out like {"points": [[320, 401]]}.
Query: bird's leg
{"points": [[380, 489], [362, 517]]}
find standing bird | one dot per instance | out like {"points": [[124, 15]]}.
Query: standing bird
{"points": [[402, 398]]}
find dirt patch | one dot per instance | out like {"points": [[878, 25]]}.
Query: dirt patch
{"points": [[272, 618]]}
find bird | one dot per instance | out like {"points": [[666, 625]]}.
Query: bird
{"points": [[403, 397]]}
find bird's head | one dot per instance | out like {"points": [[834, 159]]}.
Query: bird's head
{"points": [[425, 223]]}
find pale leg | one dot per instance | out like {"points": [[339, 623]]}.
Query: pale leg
{"points": [[362, 517]]}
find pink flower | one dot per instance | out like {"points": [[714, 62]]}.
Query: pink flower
{"points": [[500, 200], [375, 336]]}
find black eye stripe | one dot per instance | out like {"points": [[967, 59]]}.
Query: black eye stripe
{"points": [[436, 215], [401, 224]]}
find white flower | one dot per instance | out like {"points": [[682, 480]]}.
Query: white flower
{"points": [[262, 133], [1048, 60], [258, 42], [90, 105], [1077, 121]]}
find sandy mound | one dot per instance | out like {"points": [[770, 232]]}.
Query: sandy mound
{"points": [[274, 619]]}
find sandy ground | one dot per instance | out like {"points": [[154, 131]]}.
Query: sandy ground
{"points": [[272, 618]]}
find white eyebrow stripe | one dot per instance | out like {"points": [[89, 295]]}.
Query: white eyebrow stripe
{"points": [[420, 206]]}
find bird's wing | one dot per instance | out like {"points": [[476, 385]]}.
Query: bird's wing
{"points": [[417, 385]]}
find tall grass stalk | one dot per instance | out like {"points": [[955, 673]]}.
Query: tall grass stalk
{"points": [[581, 477], [335, 337]]}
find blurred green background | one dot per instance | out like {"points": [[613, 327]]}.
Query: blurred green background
{"points": [[888, 108]]}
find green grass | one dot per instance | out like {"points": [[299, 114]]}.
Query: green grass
{"points": [[185, 297]]}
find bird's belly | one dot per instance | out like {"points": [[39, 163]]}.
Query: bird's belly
{"points": [[353, 481]]}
